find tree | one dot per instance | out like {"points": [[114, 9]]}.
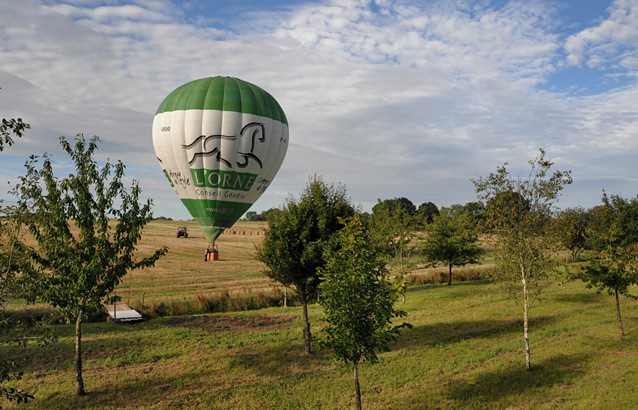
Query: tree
{"points": [[614, 269], [426, 213], [297, 238], [392, 233], [474, 209], [402, 203], [616, 214], [11, 331], [451, 240], [598, 224], [518, 214], [77, 272], [9, 127], [358, 300], [572, 230], [262, 216]]}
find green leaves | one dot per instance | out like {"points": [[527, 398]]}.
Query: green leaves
{"points": [[9, 127], [298, 236], [392, 229], [519, 218], [451, 240], [519, 215], [77, 272], [572, 230], [357, 297], [614, 270]]}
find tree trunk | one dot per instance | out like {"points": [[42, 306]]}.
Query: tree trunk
{"points": [[403, 270], [357, 390], [285, 297], [306, 327], [528, 364], [575, 256], [78, 354], [7, 274], [622, 332], [449, 278]]}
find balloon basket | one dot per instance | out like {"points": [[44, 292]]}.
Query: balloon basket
{"points": [[212, 254]]}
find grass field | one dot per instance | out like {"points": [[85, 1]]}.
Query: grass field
{"points": [[465, 350]]}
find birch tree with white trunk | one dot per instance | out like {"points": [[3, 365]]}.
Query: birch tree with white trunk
{"points": [[519, 219]]}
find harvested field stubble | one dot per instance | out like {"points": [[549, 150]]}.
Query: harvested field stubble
{"points": [[183, 275]]}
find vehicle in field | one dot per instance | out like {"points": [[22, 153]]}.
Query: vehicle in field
{"points": [[181, 231]]}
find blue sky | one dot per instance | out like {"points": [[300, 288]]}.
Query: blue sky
{"points": [[391, 98]]}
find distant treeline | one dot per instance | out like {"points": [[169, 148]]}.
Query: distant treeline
{"points": [[421, 215]]}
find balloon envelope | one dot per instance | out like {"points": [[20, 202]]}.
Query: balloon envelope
{"points": [[220, 142]]}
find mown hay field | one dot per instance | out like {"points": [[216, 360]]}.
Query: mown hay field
{"points": [[184, 274]]}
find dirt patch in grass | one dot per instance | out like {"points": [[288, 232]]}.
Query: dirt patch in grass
{"points": [[228, 323]]}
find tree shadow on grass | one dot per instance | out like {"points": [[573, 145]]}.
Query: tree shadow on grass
{"points": [[114, 340], [513, 381], [143, 391], [98, 343], [451, 332], [278, 362], [458, 289], [284, 359], [581, 298]]}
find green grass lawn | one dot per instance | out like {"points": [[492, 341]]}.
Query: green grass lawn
{"points": [[465, 351]]}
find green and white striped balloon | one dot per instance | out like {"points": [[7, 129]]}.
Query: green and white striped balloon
{"points": [[220, 142]]}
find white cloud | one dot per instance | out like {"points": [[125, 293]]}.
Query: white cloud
{"points": [[412, 100], [598, 46], [107, 14]]}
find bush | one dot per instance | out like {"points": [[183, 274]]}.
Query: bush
{"points": [[217, 303], [438, 277]]}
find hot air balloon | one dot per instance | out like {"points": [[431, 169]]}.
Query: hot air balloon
{"points": [[220, 142]]}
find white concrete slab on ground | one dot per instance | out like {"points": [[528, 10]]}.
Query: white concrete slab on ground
{"points": [[122, 313]]}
